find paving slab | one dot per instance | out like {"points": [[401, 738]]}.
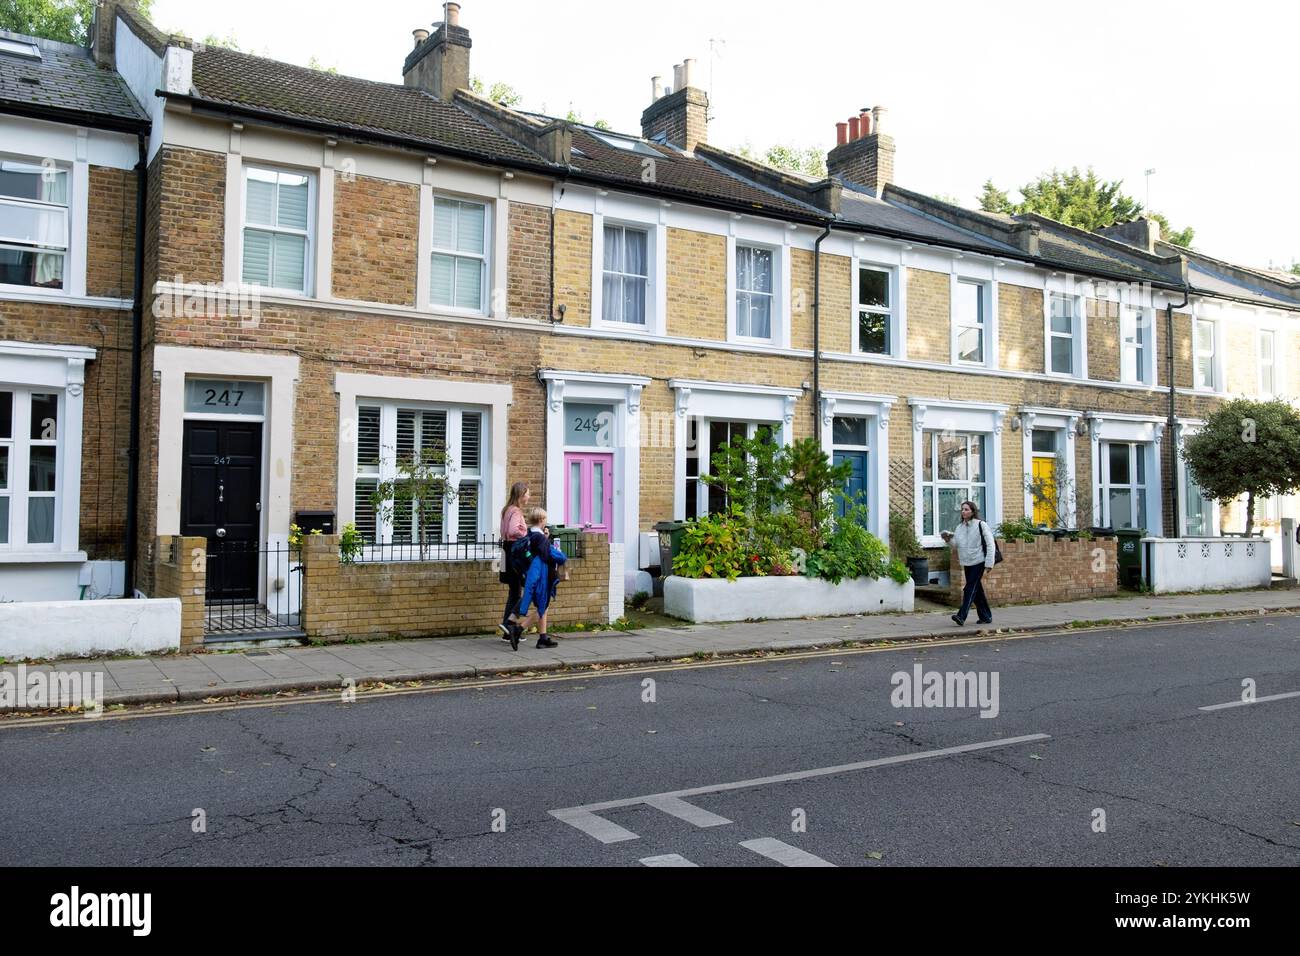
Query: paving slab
{"points": [[188, 677]]}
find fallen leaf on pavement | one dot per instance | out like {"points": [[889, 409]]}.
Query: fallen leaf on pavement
{"points": [[876, 855]]}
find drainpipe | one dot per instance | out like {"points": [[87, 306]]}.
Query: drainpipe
{"points": [[1172, 428], [137, 323], [817, 335]]}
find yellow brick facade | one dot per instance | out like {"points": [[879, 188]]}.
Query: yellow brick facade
{"points": [[329, 340]]}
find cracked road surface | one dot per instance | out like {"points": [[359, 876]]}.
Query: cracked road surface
{"points": [[420, 779]]}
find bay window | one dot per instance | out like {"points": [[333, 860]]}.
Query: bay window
{"points": [[34, 223], [705, 437], [458, 265], [445, 441], [1124, 484], [953, 469], [277, 235], [29, 468], [754, 292], [626, 275]]}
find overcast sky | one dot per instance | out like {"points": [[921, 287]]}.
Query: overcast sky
{"points": [[1007, 89]]}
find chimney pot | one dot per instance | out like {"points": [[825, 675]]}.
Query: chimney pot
{"points": [[451, 14], [688, 72], [677, 76], [878, 114], [853, 128], [864, 123], [420, 36], [841, 133]]}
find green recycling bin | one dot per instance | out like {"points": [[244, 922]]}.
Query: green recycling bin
{"points": [[1128, 555], [566, 538], [670, 539]]}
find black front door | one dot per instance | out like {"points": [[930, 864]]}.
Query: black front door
{"points": [[221, 500]]}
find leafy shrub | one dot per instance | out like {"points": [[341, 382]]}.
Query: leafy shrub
{"points": [[713, 547], [851, 551], [1021, 529], [350, 543], [903, 542]]}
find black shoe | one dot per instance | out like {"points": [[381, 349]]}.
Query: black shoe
{"points": [[958, 621], [505, 631], [515, 632], [989, 621], [545, 641]]}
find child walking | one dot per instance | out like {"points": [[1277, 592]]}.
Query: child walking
{"points": [[540, 582]]}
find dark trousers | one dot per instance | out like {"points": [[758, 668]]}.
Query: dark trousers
{"points": [[512, 602], [974, 591]]}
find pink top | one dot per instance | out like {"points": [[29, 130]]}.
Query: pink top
{"points": [[513, 526]]}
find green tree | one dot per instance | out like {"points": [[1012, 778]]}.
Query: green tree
{"points": [[67, 20], [806, 160], [1295, 268], [498, 92], [416, 494], [993, 199], [1080, 199], [315, 64], [1249, 448]]}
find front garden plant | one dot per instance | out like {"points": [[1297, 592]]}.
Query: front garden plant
{"points": [[785, 513]]}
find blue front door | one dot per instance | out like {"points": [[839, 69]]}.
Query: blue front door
{"points": [[856, 486]]}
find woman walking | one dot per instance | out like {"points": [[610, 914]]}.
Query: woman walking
{"points": [[513, 527], [976, 553]]}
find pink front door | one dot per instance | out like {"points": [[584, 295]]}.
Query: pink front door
{"points": [[589, 491]]}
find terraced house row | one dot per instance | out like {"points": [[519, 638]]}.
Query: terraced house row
{"points": [[334, 272]]}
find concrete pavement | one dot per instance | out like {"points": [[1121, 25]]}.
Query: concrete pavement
{"points": [[173, 678]]}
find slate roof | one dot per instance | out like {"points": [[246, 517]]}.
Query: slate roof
{"points": [[234, 79], [64, 79], [677, 171], [861, 207]]}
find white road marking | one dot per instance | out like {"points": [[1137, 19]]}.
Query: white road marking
{"points": [[1247, 703], [592, 825], [784, 853], [668, 859], [585, 819], [685, 811]]}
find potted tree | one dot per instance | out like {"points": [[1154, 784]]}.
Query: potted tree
{"points": [[904, 545]]}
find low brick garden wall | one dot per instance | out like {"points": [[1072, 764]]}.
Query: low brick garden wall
{"points": [[439, 598], [1044, 571], [180, 570]]}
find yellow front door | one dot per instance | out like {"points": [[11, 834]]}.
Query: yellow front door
{"points": [[1045, 478]]}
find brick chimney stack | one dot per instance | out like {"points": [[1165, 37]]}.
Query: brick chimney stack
{"points": [[864, 152], [103, 32], [681, 114], [439, 64]]}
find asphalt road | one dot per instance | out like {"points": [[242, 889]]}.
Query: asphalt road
{"points": [[422, 779]]}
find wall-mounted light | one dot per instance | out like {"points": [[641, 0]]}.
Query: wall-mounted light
{"points": [[1082, 428], [561, 309], [1015, 424]]}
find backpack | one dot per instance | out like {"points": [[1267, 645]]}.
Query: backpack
{"points": [[984, 546], [521, 556]]}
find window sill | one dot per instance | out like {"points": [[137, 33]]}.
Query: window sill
{"points": [[42, 557], [642, 327]]}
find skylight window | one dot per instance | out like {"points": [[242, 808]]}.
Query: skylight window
{"points": [[20, 48], [626, 144]]}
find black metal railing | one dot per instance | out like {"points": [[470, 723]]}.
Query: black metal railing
{"points": [[253, 590]]}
